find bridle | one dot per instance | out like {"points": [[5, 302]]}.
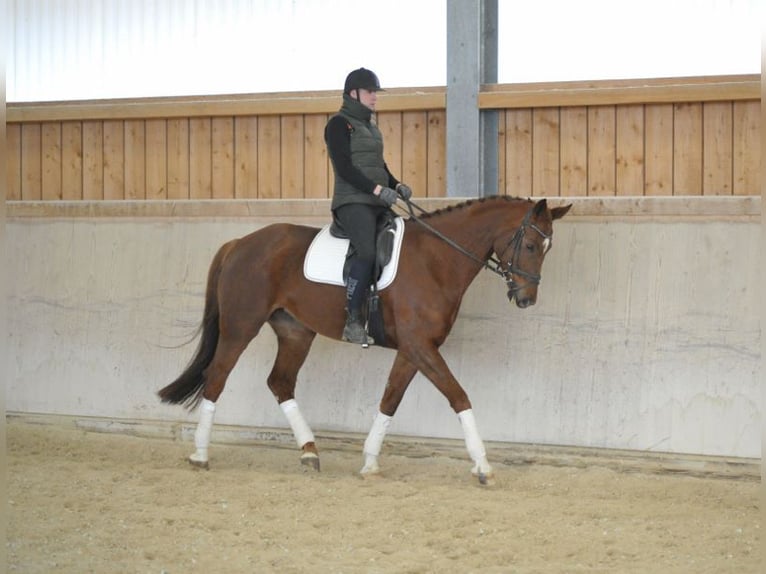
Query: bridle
{"points": [[504, 270]]}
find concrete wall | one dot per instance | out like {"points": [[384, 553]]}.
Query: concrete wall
{"points": [[646, 334]]}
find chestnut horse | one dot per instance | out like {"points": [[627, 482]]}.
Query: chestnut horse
{"points": [[259, 279]]}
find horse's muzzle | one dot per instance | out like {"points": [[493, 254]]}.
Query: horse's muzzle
{"points": [[523, 299]]}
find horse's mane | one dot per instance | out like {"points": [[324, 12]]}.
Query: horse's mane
{"points": [[470, 202]]}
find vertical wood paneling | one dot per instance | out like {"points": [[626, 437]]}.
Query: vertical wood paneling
{"points": [[31, 162], [630, 150], [390, 125], [13, 161], [717, 150], [72, 161], [687, 149], [692, 148], [156, 159], [135, 159], [602, 153], [518, 153], [178, 159], [114, 160], [658, 127], [269, 149], [502, 153], [574, 151], [545, 151], [223, 158], [437, 152], [200, 161], [291, 157], [246, 157], [747, 148], [51, 160], [92, 160], [317, 180], [414, 150]]}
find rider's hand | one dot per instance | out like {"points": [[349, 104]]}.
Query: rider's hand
{"points": [[387, 196], [404, 191]]}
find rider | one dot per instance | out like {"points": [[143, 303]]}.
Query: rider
{"points": [[364, 188]]}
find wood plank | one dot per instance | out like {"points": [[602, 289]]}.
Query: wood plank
{"points": [[747, 148], [602, 151], [518, 153], [316, 173], [92, 160], [31, 162], [414, 150], [13, 161], [658, 128], [687, 149], [574, 151], [269, 177], [246, 157], [71, 161], [717, 140], [436, 171], [545, 151], [390, 125], [502, 152], [292, 184], [223, 158], [135, 159], [114, 159], [630, 150], [51, 160], [178, 159], [200, 159], [156, 159]]}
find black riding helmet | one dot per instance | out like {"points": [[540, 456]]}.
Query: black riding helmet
{"points": [[362, 79]]}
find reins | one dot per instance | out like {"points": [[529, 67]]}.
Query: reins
{"points": [[491, 263]]}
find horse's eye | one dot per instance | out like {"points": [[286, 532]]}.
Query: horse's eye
{"points": [[530, 247]]}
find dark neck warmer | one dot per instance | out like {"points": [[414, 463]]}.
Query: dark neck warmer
{"points": [[355, 109]]}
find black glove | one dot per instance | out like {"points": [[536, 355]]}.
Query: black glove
{"points": [[404, 191], [387, 196]]}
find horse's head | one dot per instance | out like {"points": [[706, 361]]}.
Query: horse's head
{"points": [[522, 257]]}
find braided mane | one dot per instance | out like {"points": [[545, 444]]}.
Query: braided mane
{"points": [[469, 202]]}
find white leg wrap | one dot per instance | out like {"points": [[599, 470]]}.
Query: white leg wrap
{"points": [[204, 429], [474, 443], [301, 430], [374, 442]]}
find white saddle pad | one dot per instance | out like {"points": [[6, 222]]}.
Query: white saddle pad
{"points": [[327, 254]]}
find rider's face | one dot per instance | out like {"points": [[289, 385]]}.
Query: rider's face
{"points": [[367, 98]]}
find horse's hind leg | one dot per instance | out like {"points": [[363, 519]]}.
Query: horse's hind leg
{"points": [[227, 353], [294, 342]]}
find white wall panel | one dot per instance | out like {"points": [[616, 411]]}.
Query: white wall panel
{"points": [[646, 336]]}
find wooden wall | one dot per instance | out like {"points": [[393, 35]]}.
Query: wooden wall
{"points": [[683, 136]]}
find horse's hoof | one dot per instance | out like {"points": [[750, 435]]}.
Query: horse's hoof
{"points": [[311, 460], [486, 479], [199, 463]]}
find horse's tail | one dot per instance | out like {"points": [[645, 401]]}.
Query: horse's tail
{"points": [[188, 387]]}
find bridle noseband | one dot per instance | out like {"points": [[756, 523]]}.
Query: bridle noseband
{"points": [[493, 264]]}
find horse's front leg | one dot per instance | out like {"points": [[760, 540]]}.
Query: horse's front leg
{"points": [[432, 365], [398, 380]]}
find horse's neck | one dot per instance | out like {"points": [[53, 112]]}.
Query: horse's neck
{"points": [[478, 226]]}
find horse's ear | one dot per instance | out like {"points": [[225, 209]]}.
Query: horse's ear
{"points": [[540, 207], [559, 212]]}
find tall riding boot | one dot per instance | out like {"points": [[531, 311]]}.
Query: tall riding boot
{"points": [[354, 331]]}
